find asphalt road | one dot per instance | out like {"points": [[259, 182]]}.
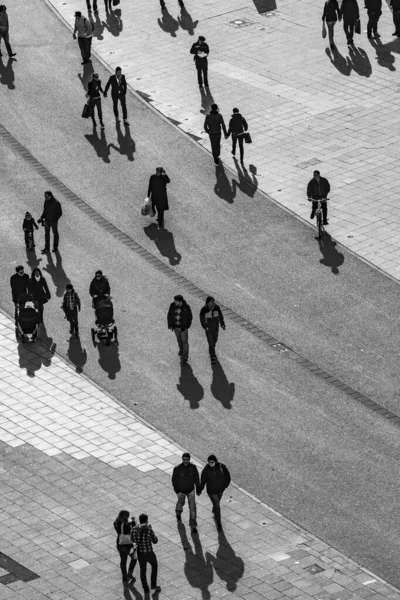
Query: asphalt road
{"points": [[295, 442]]}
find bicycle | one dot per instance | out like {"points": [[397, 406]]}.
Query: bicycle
{"points": [[319, 216], [30, 241]]}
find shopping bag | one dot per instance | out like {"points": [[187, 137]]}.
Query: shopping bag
{"points": [[87, 111], [247, 138], [323, 30], [147, 208], [358, 26]]}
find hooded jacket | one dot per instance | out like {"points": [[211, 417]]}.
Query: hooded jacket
{"points": [[216, 478], [211, 318], [39, 289], [185, 478], [99, 287], [186, 316], [213, 123], [350, 11], [83, 27], [237, 124], [19, 285], [52, 210]]}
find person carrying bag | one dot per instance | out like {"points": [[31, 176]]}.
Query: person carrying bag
{"points": [[125, 544], [238, 128]]}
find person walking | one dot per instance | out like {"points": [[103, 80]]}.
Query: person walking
{"points": [[144, 538], [99, 286], [157, 192], [125, 547], [84, 31], [318, 189], [330, 15], [216, 477], [351, 14], [118, 93], [374, 10], [213, 123], [179, 320], [93, 93], [71, 304], [395, 7], [28, 224], [201, 51], [52, 212], [19, 283], [237, 127], [186, 482], [40, 291], [211, 318], [4, 31]]}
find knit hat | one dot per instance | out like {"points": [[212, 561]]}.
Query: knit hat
{"points": [[212, 457]]}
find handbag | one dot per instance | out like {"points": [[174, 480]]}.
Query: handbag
{"points": [[247, 138], [357, 28], [147, 208], [124, 538], [323, 30], [87, 111]]}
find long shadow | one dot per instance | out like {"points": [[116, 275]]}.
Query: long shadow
{"points": [[223, 187], [228, 566], [113, 24], [247, 183], [99, 27], [86, 75], [57, 273], [360, 61], [168, 23], [7, 76], [33, 356], [131, 593], [109, 359], [164, 240], [76, 354], [189, 386], [342, 64], [198, 569], [127, 145], [206, 100], [186, 22], [221, 389], [32, 260], [384, 56], [99, 144], [332, 258]]}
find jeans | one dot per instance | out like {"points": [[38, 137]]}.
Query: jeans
{"points": [[72, 318], [238, 138], [372, 27], [108, 5], [349, 27], [27, 236], [330, 25], [53, 225], [124, 554], [183, 341], [212, 339], [191, 496], [94, 5], [215, 139], [122, 99], [96, 102], [216, 499], [324, 207], [4, 36], [144, 558], [160, 215], [85, 45], [202, 72]]}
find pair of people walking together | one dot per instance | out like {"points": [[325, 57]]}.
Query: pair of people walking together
{"points": [[118, 86]]}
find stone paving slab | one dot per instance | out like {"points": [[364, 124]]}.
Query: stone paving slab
{"points": [[72, 458]]}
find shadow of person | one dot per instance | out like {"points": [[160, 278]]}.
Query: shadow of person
{"points": [[332, 258], [342, 64], [113, 24], [168, 23], [384, 56], [186, 22], [228, 566], [221, 389], [247, 183], [164, 240], [127, 145], [99, 144], [131, 593], [189, 386], [99, 27], [223, 187], [32, 260], [86, 75], [198, 569], [57, 273], [206, 100], [32, 356], [360, 61], [7, 76], [109, 359], [76, 354]]}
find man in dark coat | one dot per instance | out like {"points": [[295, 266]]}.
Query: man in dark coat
{"points": [[52, 212], [99, 286], [118, 93], [4, 29], [201, 51], [237, 127], [186, 481], [216, 477], [318, 189], [374, 9], [19, 285], [211, 318], [350, 13], [157, 193], [179, 320], [212, 125]]}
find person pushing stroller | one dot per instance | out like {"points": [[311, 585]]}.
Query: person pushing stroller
{"points": [[99, 287]]}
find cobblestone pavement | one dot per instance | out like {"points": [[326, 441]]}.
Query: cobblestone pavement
{"points": [[306, 108], [72, 457]]}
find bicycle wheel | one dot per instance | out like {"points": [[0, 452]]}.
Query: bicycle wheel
{"points": [[320, 225]]}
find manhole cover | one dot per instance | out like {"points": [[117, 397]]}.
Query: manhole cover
{"points": [[314, 569], [241, 23]]}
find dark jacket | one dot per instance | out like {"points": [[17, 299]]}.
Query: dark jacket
{"points": [[350, 11], [186, 316], [331, 11], [52, 211], [99, 287], [94, 89], [213, 123], [19, 285], [237, 124], [395, 5], [373, 6], [123, 527], [216, 478], [200, 62], [4, 26], [316, 190], [185, 478], [158, 191], [39, 289], [29, 224], [211, 319], [116, 90]]}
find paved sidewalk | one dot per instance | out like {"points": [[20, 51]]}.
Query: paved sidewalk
{"points": [[72, 457], [306, 108]]}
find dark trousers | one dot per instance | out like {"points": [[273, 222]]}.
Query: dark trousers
{"points": [[39, 305], [349, 27], [240, 139], [72, 317], [372, 26], [85, 45], [124, 554], [160, 215], [27, 235], [212, 339], [324, 207], [122, 99], [396, 21], [94, 5], [96, 102], [216, 502], [330, 25], [53, 225], [144, 558], [4, 36], [215, 139], [108, 5], [202, 71]]}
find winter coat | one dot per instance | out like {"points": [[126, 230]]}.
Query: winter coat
{"points": [[185, 478], [237, 124], [29, 224], [200, 61], [216, 478], [83, 27], [94, 89], [158, 191], [331, 11], [350, 11], [186, 316], [373, 6], [316, 190], [213, 123], [52, 211], [211, 319], [39, 290], [19, 285], [99, 287], [4, 21]]}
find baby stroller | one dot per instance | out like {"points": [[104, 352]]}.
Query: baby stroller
{"points": [[106, 330], [26, 325]]}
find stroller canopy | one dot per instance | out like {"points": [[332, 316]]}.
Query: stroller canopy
{"points": [[104, 311]]}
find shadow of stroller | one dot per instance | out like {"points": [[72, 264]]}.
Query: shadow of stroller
{"points": [[86, 75], [189, 386], [164, 240], [168, 23], [221, 389], [228, 566], [342, 64], [76, 354], [99, 144], [7, 76], [198, 569], [360, 61], [109, 359], [206, 100], [384, 56], [33, 356], [247, 184], [57, 273], [113, 24], [332, 258], [127, 145], [223, 187], [186, 22]]}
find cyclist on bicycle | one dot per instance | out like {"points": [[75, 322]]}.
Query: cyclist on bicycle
{"points": [[28, 225], [318, 189]]}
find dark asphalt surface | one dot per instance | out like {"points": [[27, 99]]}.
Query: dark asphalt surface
{"points": [[295, 442]]}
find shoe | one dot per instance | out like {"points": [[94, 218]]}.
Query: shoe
{"points": [[326, 223], [206, 85], [84, 62], [194, 530], [178, 518], [131, 578], [233, 153], [45, 250], [332, 46], [213, 360], [312, 215], [117, 120], [71, 330], [184, 359], [180, 353], [126, 122], [102, 125], [216, 162], [219, 527], [156, 588], [12, 54], [377, 35], [94, 124], [55, 250]]}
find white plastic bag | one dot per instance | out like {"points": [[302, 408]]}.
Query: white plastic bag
{"points": [[147, 208]]}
